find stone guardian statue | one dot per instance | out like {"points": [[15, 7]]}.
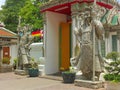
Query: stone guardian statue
{"points": [[84, 60]]}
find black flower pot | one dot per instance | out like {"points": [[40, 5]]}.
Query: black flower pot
{"points": [[68, 77], [33, 72], [14, 67]]}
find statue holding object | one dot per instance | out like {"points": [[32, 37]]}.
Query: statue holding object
{"points": [[89, 22], [25, 39]]}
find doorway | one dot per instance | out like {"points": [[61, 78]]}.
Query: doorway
{"points": [[64, 46], [6, 52]]}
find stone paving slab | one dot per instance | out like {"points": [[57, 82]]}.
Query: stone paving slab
{"points": [[59, 78], [10, 76], [11, 81]]}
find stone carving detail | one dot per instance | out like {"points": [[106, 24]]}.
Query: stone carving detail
{"points": [[25, 39], [87, 22]]}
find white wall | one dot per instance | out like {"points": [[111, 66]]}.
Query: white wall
{"points": [[52, 41], [36, 50], [13, 53], [108, 43], [73, 43]]}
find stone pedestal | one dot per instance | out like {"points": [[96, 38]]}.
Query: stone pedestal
{"points": [[89, 84], [20, 72], [5, 68]]}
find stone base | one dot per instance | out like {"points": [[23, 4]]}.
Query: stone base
{"points": [[5, 68], [20, 72], [89, 84]]}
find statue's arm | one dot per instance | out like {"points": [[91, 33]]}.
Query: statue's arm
{"points": [[31, 39]]}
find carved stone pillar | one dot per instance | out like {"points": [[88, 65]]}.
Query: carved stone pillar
{"points": [[74, 11], [73, 36]]}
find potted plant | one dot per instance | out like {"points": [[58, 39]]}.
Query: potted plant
{"points": [[6, 60], [6, 67], [33, 70], [69, 75], [15, 63], [112, 67]]}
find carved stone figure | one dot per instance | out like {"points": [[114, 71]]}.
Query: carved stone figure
{"points": [[89, 21], [24, 50]]}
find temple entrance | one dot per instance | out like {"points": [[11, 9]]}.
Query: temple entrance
{"points": [[6, 52], [64, 55]]}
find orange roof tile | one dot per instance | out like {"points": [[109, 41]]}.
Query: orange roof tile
{"points": [[6, 33]]}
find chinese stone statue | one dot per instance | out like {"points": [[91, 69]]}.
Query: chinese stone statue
{"points": [[25, 40], [89, 22]]}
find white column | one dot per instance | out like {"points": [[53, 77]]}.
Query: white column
{"points": [[45, 35], [73, 35]]}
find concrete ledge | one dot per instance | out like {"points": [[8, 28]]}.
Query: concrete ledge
{"points": [[20, 72], [89, 84], [5, 68]]}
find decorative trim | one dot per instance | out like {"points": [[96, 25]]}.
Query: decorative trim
{"points": [[112, 28], [52, 3], [118, 35]]}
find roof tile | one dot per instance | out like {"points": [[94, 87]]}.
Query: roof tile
{"points": [[5, 33]]}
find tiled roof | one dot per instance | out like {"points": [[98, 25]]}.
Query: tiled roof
{"points": [[6, 33], [111, 17]]}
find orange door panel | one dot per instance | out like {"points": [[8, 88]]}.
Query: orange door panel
{"points": [[65, 46]]}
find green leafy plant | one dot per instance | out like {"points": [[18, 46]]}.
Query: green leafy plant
{"points": [[33, 69], [113, 67], [113, 55], [69, 75], [33, 64], [15, 63], [15, 60], [6, 60]]}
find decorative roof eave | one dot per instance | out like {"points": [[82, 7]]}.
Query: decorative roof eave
{"points": [[111, 19], [8, 34], [11, 37], [112, 2], [53, 3], [7, 43], [2, 28], [115, 27], [111, 28]]}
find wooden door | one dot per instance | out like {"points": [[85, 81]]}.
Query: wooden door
{"points": [[64, 46], [6, 52]]}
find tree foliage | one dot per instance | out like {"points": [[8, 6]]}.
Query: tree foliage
{"points": [[10, 12], [27, 9], [30, 14]]}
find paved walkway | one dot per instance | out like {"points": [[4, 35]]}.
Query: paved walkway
{"points": [[11, 81]]}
